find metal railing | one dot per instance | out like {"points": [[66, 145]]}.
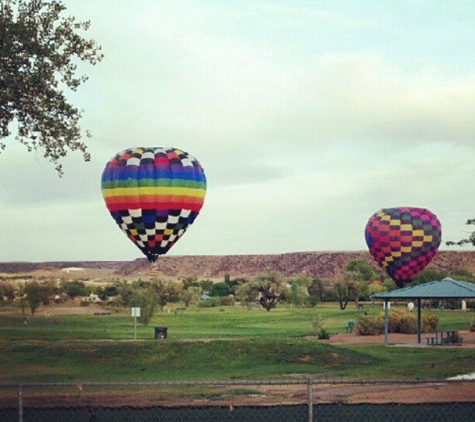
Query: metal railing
{"points": [[303, 399]]}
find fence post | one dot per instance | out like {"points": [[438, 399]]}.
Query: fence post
{"points": [[310, 400], [20, 403]]}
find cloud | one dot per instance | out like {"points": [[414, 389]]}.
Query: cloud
{"points": [[306, 120]]}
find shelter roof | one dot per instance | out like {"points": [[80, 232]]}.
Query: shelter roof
{"points": [[440, 289]]}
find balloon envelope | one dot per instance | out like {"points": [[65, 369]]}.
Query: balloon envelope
{"points": [[154, 194], [403, 240]]}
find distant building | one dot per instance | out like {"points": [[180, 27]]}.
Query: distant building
{"points": [[72, 269]]}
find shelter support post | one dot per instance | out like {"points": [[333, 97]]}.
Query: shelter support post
{"points": [[386, 321], [419, 322]]}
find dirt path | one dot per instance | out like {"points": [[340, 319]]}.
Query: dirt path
{"points": [[409, 340]]}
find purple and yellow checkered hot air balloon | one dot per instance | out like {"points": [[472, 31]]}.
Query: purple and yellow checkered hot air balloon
{"points": [[403, 240], [154, 194]]}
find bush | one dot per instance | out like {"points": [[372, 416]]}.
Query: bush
{"points": [[84, 303], [323, 334], [429, 323], [398, 322], [370, 325], [402, 322], [226, 301]]}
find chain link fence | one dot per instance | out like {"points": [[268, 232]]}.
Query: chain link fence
{"points": [[292, 400]]}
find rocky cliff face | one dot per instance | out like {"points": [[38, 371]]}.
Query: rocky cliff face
{"points": [[324, 265]]}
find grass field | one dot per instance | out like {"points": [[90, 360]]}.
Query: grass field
{"points": [[213, 343]]}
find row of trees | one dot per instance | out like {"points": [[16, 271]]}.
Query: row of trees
{"points": [[265, 290]]}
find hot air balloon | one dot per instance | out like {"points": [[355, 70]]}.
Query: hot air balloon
{"points": [[154, 194], [403, 240]]}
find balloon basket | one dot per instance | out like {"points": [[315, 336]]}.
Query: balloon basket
{"points": [[154, 270]]}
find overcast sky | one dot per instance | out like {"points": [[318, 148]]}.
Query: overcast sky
{"points": [[307, 116]]}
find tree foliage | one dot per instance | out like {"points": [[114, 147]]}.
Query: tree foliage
{"points": [[345, 291], [220, 289], [144, 300], [35, 295], [427, 276], [298, 294], [265, 289], [7, 291], [75, 288], [360, 270], [354, 286], [469, 240], [39, 52]]}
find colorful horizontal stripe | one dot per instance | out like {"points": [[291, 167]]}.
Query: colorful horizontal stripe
{"points": [[149, 203], [165, 182], [150, 191]]}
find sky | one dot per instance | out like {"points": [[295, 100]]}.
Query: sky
{"points": [[307, 116]]}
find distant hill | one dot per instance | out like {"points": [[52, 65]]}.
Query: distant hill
{"points": [[325, 265]]}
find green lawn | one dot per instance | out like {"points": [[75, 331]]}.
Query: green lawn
{"points": [[213, 343]]}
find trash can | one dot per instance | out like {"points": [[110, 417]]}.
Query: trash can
{"points": [[161, 332]]}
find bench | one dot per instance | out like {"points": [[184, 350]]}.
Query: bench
{"points": [[349, 328], [451, 338]]}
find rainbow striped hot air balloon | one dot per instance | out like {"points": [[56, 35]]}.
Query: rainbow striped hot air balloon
{"points": [[403, 240], [154, 194]]}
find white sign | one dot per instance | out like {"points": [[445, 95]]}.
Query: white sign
{"points": [[136, 312]]}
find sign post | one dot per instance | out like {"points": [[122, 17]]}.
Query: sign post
{"points": [[135, 314]]}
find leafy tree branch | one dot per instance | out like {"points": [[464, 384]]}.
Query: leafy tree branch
{"points": [[39, 52]]}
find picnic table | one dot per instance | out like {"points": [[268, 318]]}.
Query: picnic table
{"points": [[445, 338]]}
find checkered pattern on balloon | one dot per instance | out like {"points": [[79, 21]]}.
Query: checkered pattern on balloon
{"points": [[403, 240]]}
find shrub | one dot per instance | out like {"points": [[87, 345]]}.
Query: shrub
{"points": [[84, 303], [226, 301], [318, 323], [429, 323], [398, 322], [323, 334], [370, 325], [402, 322]]}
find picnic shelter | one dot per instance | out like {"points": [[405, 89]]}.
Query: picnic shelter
{"points": [[440, 289]]}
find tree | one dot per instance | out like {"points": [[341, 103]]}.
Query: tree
{"points": [[360, 270], [125, 294], [145, 300], [106, 292], [220, 289], [205, 285], [164, 292], [75, 288], [427, 276], [345, 291], [190, 282], [298, 295], [317, 291], [39, 51], [357, 274], [7, 291], [469, 240], [190, 296], [34, 296], [265, 289]]}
